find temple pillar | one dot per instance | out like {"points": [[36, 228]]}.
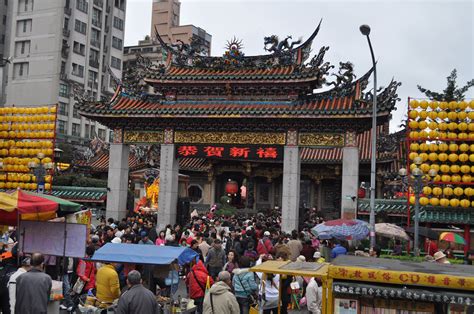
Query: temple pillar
{"points": [[350, 177], [117, 181], [168, 196], [467, 237], [291, 184]]}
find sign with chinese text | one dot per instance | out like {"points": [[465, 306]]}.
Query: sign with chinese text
{"points": [[231, 152]]}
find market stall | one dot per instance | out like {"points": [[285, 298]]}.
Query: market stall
{"points": [[362, 285], [288, 268], [150, 255]]}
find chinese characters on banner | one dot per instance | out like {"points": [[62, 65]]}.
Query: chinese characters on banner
{"points": [[236, 152]]}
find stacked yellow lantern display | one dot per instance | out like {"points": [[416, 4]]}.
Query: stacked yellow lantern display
{"points": [[442, 135], [25, 134]]}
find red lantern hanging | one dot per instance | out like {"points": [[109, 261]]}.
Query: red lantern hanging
{"points": [[361, 193], [231, 187]]}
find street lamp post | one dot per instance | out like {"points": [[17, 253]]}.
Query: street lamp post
{"points": [[418, 178], [39, 170], [365, 30]]}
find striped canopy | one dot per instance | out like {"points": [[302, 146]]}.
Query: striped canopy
{"points": [[342, 229]]}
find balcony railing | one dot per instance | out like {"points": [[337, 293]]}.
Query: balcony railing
{"points": [[67, 11], [66, 32], [99, 3], [65, 51], [94, 63], [95, 43], [96, 23]]}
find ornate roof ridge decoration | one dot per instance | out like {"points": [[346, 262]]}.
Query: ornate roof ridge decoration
{"points": [[283, 53]]}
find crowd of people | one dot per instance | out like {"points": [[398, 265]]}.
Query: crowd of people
{"points": [[220, 280]]}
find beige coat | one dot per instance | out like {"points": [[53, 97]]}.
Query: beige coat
{"points": [[223, 300]]}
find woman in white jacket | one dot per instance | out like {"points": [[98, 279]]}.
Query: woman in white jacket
{"points": [[270, 297], [314, 296]]}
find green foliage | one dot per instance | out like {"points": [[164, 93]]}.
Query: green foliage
{"points": [[77, 180], [410, 258], [226, 212], [67, 154], [451, 93]]}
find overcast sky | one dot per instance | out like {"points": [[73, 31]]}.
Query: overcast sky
{"points": [[416, 42]]}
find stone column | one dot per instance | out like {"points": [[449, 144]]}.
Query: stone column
{"points": [[291, 185], [168, 196], [117, 181], [350, 177]]}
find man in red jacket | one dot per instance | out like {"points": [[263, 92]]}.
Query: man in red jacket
{"points": [[196, 280], [264, 245]]}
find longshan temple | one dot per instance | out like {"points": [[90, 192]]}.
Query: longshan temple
{"points": [[260, 121]]}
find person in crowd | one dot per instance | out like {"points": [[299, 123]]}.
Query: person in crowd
{"points": [[196, 281], [251, 253], [308, 250], [25, 266], [86, 270], [232, 261], [264, 245], [220, 298], [318, 258], [397, 248], [33, 288], [195, 247], [107, 284], [337, 250], [281, 246], [244, 284], [375, 251], [136, 299], [430, 247], [313, 295], [295, 246], [215, 258], [203, 245], [440, 257], [145, 239], [270, 287], [469, 257], [161, 240], [67, 270]]}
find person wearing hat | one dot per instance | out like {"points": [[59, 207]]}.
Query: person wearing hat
{"points": [[25, 266], [264, 245], [145, 240], [317, 257], [440, 257]]}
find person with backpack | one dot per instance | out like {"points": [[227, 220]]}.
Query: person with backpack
{"points": [[264, 245], [197, 281], [244, 285], [251, 254]]}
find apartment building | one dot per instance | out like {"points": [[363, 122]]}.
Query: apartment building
{"points": [[58, 44], [166, 20], [4, 31]]}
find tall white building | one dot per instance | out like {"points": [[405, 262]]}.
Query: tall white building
{"points": [[55, 44]]}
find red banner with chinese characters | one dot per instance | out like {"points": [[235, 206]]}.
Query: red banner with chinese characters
{"points": [[232, 152]]}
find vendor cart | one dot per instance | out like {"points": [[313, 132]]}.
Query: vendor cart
{"points": [[150, 255], [359, 285], [288, 268]]}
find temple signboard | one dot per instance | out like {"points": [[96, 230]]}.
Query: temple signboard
{"points": [[231, 152]]}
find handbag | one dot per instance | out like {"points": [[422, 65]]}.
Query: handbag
{"points": [[250, 297], [80, 284]]}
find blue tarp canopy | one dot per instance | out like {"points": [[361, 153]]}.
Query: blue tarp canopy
{"points": [[143, 254]]}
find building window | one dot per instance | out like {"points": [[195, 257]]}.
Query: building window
{"points": [[118, 23], [77, 70], [62, 109], [76, 129], [20, 70], [63, 90], [120, 4], [195, 193], [25, 5], [94, 55], [62, 127], [79, 48], [92, 131], [80, 27], [87, 134], [96, 18], [82, 5], [117, 43], [2, 39], [75, 113], [111, 136], [22, 47], [92, 81], [24, 26], [116, 63], [102, 134]]}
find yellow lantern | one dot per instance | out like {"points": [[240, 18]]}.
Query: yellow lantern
{"points": [[425, 167], [412, 156], [452, 105], [414, 103], [423, 114], [465, 169], [434, 125], [424, 201], [414, 147], [433, 134], [465, 203], [458, 191], [445, 178], [454, 202], [433, 156], [452, 116], [435, 167], [452, 126], [455, 178], [422, 125], [412, 200], [463, 157], [442, 115], [466, 178], [413, 135], [424, 156], [433, 147], [463, 136], [432, 115], [427, 190], [443, 147], [453, 157], [453, 147], [413, 166], [455, 168], [444, 202], [47, 186], [443, 157], [424, 147], [437, 191], [434, 201], [462, 115], [413, 124], [2, 185], [469, 191], [462, 126], [471, 104], [423, 104], [33, 186], [444, 168]]}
